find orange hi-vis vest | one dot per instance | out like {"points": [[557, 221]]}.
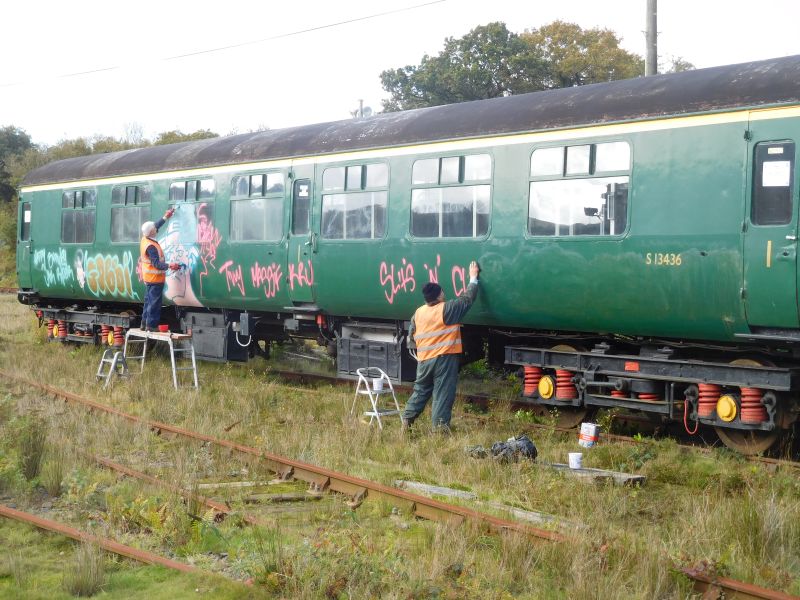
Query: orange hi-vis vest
{"points": [[432, 336], [150, 274]]}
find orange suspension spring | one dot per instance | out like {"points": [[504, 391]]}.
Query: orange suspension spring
{"points": [[648, 397], [707, 400], [119, 337], [565, 389], [532, 375], [50, 324], [752, 409], [104, 329], [618, 394], [62, 329]]}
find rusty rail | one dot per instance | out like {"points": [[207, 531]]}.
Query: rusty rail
{"points": [[8, 290], [319, 478], [104, 543], [717, 588], [220, 509]]}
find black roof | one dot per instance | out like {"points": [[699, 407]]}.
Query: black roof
{"points": [[768, 82]]}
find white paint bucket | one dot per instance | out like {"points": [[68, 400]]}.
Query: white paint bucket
{"points": [[588, 435], [575, 460], [377, 384]]}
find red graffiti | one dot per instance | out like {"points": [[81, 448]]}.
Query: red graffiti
{"points": [[301, 275], [397, 279], [233, 277], [269, 277], [433, 272], [458, 276], [209, 239]]}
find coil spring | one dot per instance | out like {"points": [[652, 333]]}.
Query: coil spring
{"points": [[618, 394], [119, 337], [707, 399], [649, 397], [752, 410], [104, 329], [565, 389], [532, 375], [62, 329], [50, 325]]}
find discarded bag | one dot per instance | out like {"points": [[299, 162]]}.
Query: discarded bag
{"points": [[509, 451]]}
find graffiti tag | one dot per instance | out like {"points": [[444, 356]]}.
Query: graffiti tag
{"points": [[233, 276], [268, 277], [107, 275], [54, 266], [302, 274], [395, 279]]}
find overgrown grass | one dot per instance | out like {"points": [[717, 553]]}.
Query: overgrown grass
{"points": [[694, 507], [85, 574]]}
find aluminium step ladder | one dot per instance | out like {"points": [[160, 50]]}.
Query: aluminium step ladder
{"points": [[117, 365], [375, 384], [180, 344]]}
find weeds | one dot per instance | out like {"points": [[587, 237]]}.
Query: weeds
{"points": [[32, 438], [52, 475], [85, 575]]}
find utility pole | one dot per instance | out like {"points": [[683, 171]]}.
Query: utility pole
{"points": [[651, 37]]}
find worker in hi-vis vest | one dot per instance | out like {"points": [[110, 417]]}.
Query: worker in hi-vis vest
{"points": [[154, 271], [435, 332]]}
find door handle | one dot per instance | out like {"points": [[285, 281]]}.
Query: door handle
{"points": [[787, 253], [791, 238]]}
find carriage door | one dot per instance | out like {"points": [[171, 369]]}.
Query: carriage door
{"points": [[770, 244], [24, 245], [302, 241]]}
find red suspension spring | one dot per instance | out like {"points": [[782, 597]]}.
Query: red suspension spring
{"points": [[649, 397], [618, 394], [752, 409], [707, 400], [50, 324], [119, 337], [104, 329], [532, 375], [62, 329], [565, 389]]}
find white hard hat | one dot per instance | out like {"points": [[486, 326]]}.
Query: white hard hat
{"points": [[147, 228]]}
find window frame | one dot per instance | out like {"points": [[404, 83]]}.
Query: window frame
{"points": [[265, 195], [462, 183], [92, 194], [136, 204], [364, 188], [593, 174], [757, 169]]}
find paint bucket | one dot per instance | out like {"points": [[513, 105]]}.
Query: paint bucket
{"points": [[163, 328], [377, 384], [588, 435], [575, 460]]}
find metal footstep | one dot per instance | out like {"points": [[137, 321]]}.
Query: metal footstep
{"points": [[180, 344], [117, 365]]}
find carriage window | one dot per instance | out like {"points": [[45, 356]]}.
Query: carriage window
{"points": [[258, 216], [356, 214], [129, 209], [588, 205], [301, 207], [451, 209], [773, 183], [191, 191], [25, 225], [333, 179], [77, 216]]}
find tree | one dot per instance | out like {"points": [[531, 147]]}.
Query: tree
{"points": [[677, 64], [491, 61], [577, 56], [13, 143], [174, 136]]}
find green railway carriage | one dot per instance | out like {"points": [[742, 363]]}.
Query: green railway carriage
{"points": [[637, 240]]}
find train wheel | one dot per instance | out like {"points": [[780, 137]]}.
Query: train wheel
{"points": [[748, 442], [566, 417]]}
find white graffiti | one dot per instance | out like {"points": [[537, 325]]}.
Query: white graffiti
{"points": [[54, 266]]}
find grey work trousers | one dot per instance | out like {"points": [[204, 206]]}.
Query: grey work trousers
{"points": [[437, 376]]}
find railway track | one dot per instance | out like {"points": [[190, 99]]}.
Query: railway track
{"points": [[483, 400], [322, 479], [319, 479]]}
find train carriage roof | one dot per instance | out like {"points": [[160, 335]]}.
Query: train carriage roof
{"points": [[762, 83]]}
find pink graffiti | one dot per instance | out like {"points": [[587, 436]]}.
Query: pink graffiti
{"points": [[209, 239], [301, 275], [433, 272], [269, 277], [397, 279], [233, 277], [458, 276]]}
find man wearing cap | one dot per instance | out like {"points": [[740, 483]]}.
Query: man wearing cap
{"points": [[151, 258], [435, 332]]}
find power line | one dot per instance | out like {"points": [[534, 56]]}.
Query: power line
{"points": [[241, 44]]}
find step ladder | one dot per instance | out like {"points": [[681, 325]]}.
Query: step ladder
{"points": [[180, 345], [117, 365], [375, 384]]}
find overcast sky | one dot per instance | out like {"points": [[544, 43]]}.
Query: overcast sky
{"points": [[299, 76]]}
